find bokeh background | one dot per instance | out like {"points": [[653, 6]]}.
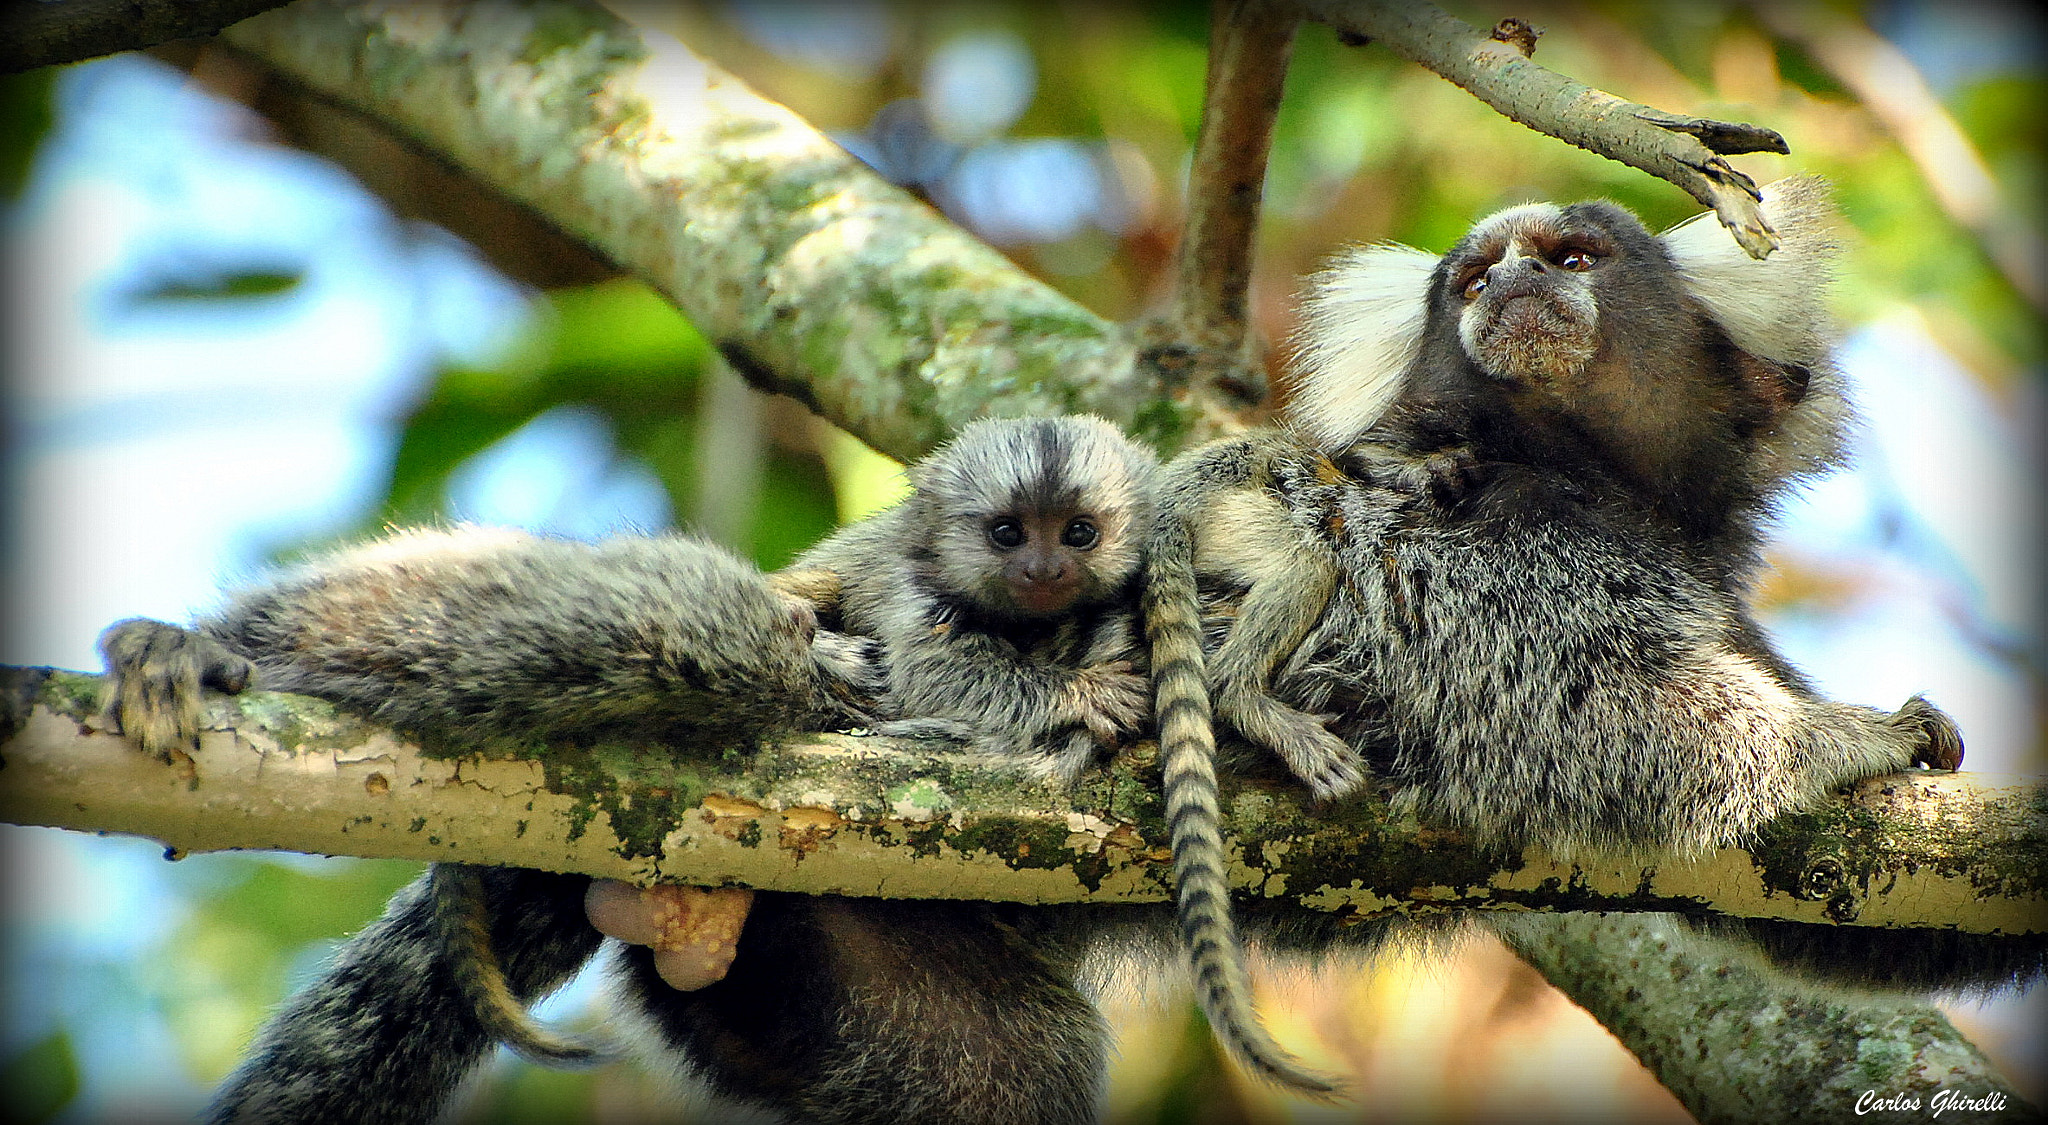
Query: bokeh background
{"points": [[223, 350]]}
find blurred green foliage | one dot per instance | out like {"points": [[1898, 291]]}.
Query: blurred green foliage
{"points": [[25, 106], [40, 1080], [217, 285], [257, 928]]}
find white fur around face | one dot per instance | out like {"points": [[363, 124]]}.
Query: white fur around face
{"points": [[1775, 308], [1361, 328], [1362, 317]]}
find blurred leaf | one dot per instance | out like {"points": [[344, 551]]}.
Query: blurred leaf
{"points": [[517, 1094], [1797, 68], [1683, 35], [622, 325], [291, 905], [2002, 115], [438, 438], [40, 1081], [617, 348], [250, 939], [227, 285], [1198, 1090], [797, 508], [25, 107]]}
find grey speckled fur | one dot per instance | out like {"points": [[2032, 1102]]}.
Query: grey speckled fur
{"points": [[835, 1009], [855, 1011], [472, 638], [1500, 558]]}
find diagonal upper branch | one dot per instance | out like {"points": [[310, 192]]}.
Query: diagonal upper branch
{"points": [[816, 277], [1496, 69]]}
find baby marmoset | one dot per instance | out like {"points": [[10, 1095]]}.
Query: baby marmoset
{"points": [[1003, 591], [1000, 594]]}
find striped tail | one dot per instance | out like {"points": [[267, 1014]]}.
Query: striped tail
{"points": [[1187, 741], [462, 922]]}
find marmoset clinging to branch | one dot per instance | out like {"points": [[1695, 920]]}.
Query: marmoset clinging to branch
{"points": [[1002, 592], [485, 639], [1500, 559], [999, 599]]}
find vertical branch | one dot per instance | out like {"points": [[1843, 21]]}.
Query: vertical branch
{"points": [[1247, 70], [1204, 342], [731, 458]]}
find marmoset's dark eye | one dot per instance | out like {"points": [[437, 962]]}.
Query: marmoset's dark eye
{"points": [[1006, 534], [1080, 535], [1577, 261], [1474, 285]]}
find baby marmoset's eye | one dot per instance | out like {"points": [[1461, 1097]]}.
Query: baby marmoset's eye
{"points": [[1006, 534], [1080, 534]]}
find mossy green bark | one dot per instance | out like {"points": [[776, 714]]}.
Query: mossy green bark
{"points": [[809, 272]]}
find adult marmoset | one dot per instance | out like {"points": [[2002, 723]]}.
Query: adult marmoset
{"points": [[1499, 558]]}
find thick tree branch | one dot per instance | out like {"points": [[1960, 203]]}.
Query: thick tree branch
{"points": [[813, 275], [849, 815], [1496, 69], [833, 813], [45, 33]]}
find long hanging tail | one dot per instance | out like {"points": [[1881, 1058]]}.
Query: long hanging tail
{"points": [[462, 920], [1187, 741]]}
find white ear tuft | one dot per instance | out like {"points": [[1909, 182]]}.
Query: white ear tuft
{"points": [[1775, 308], [1361, 328]]}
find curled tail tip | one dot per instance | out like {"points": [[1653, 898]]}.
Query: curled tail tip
{"points": [[1248, 1042], [1282, 1069], [540, 1045], [544, 1049]]}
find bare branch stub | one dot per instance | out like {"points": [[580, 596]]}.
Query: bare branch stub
{"points": [[1519, 34], [1495, 68], [1729, 138]]}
